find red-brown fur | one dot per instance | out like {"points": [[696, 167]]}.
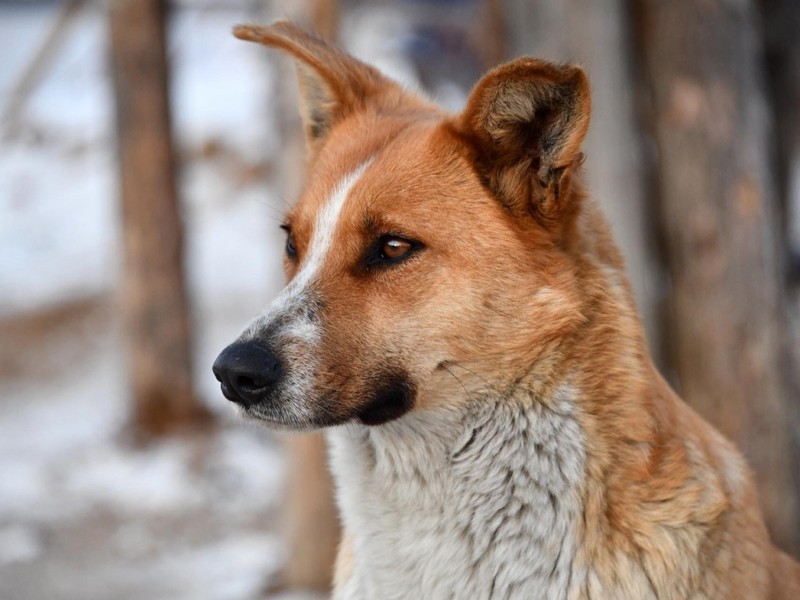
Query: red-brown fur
{"points": [[520, 264]]}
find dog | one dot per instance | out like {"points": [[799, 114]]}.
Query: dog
{"points": [[459, 319]]}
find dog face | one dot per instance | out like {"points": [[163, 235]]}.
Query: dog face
{"points": [[422, 246]]}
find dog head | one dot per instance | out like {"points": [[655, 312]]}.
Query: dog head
{"points": [[426, 248]]}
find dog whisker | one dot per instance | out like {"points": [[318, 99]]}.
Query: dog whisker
{"points": [[461, 383]]}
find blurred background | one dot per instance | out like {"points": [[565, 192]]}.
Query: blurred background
{"points": [[146, 158]]}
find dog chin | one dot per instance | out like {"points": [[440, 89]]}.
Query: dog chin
{"points": [[280, 422], [286, 420]]}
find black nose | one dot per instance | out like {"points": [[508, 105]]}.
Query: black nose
{"points": [[247, 372]]}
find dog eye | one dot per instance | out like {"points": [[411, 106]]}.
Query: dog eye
{"points": [[389, 250], [291, 249], [394, 247]]}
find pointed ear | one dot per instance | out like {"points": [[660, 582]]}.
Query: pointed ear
{"points": [[525, 121], [333, 84]]}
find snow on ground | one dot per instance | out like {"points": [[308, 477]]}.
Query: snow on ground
{"points": [[86, 514]]}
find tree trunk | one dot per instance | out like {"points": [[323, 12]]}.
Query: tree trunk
{"points": [[312, 523], [154, 304], [782, 40], [324, 18], [718, 212], [493, 35]]}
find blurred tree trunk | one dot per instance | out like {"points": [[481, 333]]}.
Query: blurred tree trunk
{"points": [[154, 302], [781, 20], [782, 49], [493, 34], [324, 18], [719, 216], [311, 522]]}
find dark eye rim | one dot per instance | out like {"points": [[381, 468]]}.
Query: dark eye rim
{"points": [[290, 248], [374, 256]]}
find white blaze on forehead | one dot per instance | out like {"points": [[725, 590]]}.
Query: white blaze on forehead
{"points": [[321, 241], [325, 225]]}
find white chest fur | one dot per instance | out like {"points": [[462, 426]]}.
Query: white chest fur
{"points": [[479, 503]]}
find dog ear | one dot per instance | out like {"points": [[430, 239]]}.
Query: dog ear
{"points": [[525, 122], [333, 84]]}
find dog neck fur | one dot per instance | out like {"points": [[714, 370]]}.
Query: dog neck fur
{"points": [[440, 499]]}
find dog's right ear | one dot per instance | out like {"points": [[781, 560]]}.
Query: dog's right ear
{"points": [[525, 122], [333, 84]]}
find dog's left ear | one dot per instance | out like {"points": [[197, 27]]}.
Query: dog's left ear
{"points": [[333, 84], [525, 122]]}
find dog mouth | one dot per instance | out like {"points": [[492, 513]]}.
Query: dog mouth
{"points": [[392, 397]]}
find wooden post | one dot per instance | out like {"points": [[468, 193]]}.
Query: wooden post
{"points": [[154, 303], [718, 212]]}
